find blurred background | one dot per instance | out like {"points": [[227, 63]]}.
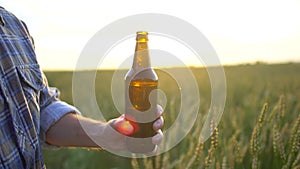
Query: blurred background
{"points": [[257, 43]]}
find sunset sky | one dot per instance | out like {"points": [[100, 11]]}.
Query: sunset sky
{"points": [[240, 31]]}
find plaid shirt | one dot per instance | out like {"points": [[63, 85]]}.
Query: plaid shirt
{"points": [[28, 106]]}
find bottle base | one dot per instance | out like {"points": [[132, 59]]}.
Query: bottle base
{"points": [[140, 145]]}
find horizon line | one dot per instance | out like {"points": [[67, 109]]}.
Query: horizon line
{"points": [[190, 66]]}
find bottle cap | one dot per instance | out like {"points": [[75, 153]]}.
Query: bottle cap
{"points": [[142, 36]]}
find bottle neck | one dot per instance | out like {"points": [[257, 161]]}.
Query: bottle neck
{"points": [[141, 55]]}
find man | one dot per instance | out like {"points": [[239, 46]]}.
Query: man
{"points": [[31, 113]]}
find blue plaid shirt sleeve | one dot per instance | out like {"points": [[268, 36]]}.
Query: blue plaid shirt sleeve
{"points": [[52, 109]]}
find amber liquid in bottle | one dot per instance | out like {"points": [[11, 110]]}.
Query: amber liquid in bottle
{"points": [[141, 98]]}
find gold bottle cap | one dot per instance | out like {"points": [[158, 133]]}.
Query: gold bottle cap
{"points": [[142, 36]]}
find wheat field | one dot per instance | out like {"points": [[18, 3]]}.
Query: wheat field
{"points": [[260, 126]]}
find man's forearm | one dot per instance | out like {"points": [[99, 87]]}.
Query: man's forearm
{"points": [[68, 131], [76, 131]]}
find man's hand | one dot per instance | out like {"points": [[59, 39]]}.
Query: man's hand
{"points": [[117, 130], [77, 131]]}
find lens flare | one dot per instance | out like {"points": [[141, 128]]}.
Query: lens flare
{"points": [[123, 126]]}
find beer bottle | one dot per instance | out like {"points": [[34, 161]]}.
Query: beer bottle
{"points": [[140, 98]]}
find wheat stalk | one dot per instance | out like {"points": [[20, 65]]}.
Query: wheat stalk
{"points": [[255, 162], [294, 144], [277, 143], [147, 162], [237, 150], [256, 133], [157, 161], [295, 137], [214, 133], [282, 106], [224, 163], [208, 158], [296, 162], [213, 144], [135, 163], [197, 154], [278, 111], [255, 145]]}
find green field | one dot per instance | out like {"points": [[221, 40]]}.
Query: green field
{"points": [[260, 127]]}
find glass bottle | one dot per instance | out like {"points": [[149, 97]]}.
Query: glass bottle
{"points": [[141, 98]]}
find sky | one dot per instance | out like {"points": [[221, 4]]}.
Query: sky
{"points": [[239, 31]]}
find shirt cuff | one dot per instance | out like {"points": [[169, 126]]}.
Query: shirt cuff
{"points": [[50, 115]]}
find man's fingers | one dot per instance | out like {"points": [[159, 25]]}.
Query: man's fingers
{"points": [[159, 111], [158, 137], [158, 124], [124, 127]]}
